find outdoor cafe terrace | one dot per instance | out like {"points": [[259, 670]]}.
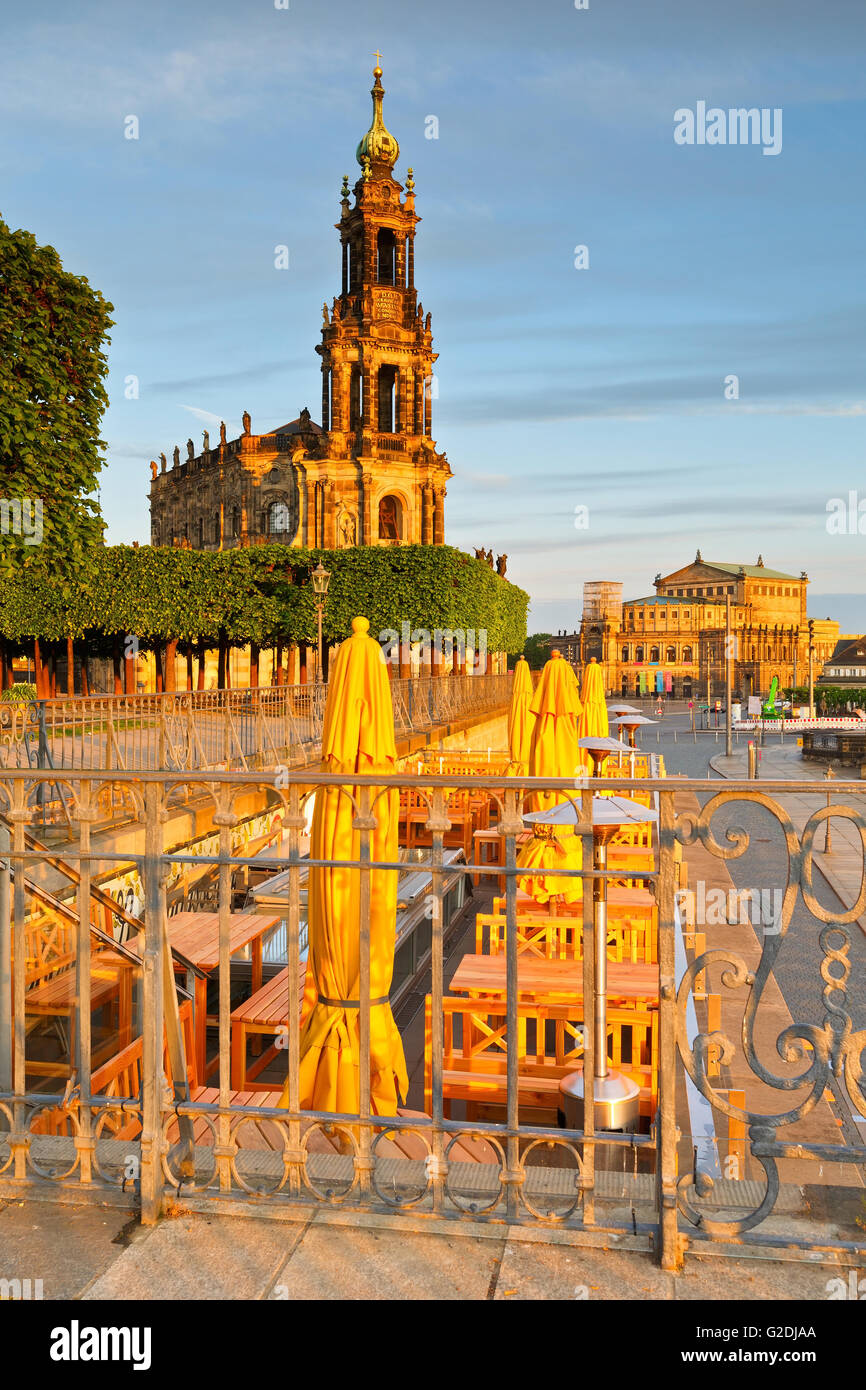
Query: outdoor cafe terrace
{"points": [[455, 986]]}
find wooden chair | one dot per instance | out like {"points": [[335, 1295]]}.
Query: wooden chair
{"points": [[550, 1045]]}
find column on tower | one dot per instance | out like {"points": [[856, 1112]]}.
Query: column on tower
{"points": [[367, 508], [406, 389], [419, 403], [439, 516], [326, 396], [426, 515]]}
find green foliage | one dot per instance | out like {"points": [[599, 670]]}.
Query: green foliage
{"points": [[835, 697], [264, 594], [19, 691], [52, 396], [537, 649]]}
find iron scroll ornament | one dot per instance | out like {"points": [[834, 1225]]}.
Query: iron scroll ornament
{"points": [[832, 1049]]}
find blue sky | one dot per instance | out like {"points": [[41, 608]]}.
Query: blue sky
{"points": [[558, 388]]}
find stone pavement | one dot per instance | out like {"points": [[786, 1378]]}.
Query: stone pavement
{"points": [[843, 866], [94, 1253]]}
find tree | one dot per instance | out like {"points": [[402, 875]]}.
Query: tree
{"points": [[52, 367], [537, 649]]}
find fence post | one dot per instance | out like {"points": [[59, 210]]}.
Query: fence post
{"points": [[152, 1012], [5, 965], [669, 1248]]}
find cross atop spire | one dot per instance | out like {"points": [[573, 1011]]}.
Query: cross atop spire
{"points": [[377, 55]]}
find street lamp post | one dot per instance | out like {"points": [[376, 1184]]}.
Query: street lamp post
{"points": [[321, 579], [728, 654]]}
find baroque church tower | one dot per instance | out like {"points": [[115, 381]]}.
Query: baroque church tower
{"points": [[370, 474]]}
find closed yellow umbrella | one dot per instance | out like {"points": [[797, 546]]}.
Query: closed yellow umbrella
{"points": [[593, 722], [357, 737], [553, 752], [520, 719]]}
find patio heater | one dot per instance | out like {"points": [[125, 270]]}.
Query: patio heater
{"points": [[321, 579], [616, 1097], [600, 749], [630, 722]]}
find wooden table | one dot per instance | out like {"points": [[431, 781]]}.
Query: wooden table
{"points": [[197, 936], [551, 981], [621, 902]]}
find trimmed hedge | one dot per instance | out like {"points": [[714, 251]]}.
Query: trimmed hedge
{"points": [[262, 594]]}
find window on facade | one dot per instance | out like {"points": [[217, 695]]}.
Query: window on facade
{"points": [[687, 655], [278, 518], [654, 654], [625, 653], [687, 613], [236, 521], [638, 655], [390, 513], [671, 654]]}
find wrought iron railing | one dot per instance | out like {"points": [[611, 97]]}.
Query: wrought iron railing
{"points": [[653, 1187], [218, 729]]}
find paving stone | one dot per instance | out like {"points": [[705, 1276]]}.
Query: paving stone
{"points": [[201, 1258], [530, 1270], [341, 1262], [65, 1246]]}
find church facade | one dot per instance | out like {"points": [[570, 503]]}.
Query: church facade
{"points": [[370, 472]]}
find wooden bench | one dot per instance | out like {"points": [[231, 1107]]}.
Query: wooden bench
{"points": [[265, 1013], [550, 1045], [50, 953], [120, 1078]]}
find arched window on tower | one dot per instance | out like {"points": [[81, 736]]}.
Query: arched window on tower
{"points": [[236, 522], [390, 519], [201, 533], [386, 257]]}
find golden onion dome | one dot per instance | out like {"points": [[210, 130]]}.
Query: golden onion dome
{"points": [[378, 145]]}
